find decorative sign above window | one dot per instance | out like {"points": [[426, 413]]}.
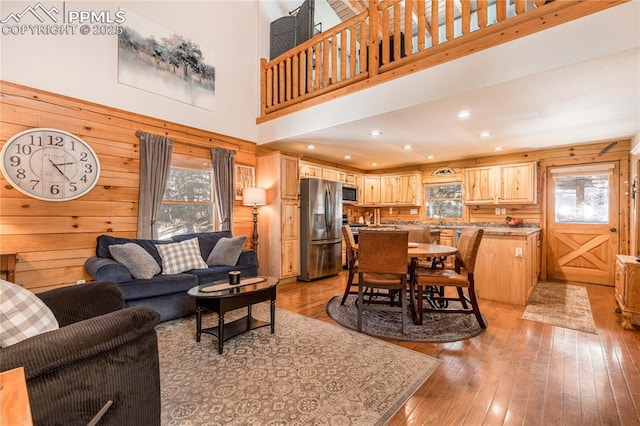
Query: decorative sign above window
{"points": [[443, 171]]}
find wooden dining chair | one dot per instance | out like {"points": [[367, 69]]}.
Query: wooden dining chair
{"points": [[438, 301], [352, 261], [382, 265]]}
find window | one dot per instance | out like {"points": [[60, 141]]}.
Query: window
{"points": [[188, 204], [582, 199], [443, 200]]}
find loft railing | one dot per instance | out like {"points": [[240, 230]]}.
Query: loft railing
{"points": [[396, 37]]}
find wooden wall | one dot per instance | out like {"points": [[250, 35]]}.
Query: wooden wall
{"points": [[618, 151], [53, 239]]}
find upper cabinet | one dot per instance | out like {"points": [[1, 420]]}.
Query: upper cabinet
{"points": [[502, 184], [289, 178], [308, 170], [403, 189], [371, 191]]}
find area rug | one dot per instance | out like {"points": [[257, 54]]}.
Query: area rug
{"points": [[436, 328], [309, 372], [562, 305]]}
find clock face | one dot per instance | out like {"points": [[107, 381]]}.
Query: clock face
{"points": [[49, 164]]}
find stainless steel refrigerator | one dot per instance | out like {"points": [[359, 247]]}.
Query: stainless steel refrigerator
{"points": [[320, 228]]}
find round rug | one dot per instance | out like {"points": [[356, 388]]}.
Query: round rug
{"points": [[435, 328]]}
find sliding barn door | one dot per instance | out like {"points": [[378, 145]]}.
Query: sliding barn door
{"points": [[583, 223]]}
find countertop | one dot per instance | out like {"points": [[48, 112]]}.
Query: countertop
{"points": [[489, 228]]}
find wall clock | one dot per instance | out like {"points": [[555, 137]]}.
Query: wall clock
{"points": [[49, 164]]}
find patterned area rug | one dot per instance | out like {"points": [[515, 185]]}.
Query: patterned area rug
{"points": [[307, 373], [436, 328], [562, 305]]}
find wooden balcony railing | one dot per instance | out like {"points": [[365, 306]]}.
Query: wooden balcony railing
{"points": [[396, 37]]}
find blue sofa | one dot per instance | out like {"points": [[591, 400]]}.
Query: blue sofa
{"points": [[167, 294]]}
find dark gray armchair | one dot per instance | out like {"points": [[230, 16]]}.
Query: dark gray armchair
{"points": [[101, 352]]}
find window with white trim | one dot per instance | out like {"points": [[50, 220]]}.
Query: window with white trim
{"points": [[443, 200], [189, 200]]}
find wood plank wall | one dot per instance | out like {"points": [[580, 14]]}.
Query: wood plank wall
{"points": [[618, 151], [53, 239]]}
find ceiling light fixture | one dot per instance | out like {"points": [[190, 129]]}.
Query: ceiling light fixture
{"points": [[374, 164], [311, 147], [430, 157], [498, 148], [485, 135], [464, 114], [406, 147], [347, 157], [375, 132]]}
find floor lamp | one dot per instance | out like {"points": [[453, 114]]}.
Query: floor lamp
{"points": [[254, 196]]}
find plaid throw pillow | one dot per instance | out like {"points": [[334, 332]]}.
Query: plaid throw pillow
{"points": [[180, 257], [22, 314]]}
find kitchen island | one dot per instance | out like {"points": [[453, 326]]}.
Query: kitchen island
{"points": [[508, 263]]}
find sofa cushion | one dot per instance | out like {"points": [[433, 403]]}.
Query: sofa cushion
{"points": [[227, 251], [22, 315], [180, 257], [217, 273], [159, 285], [104, 241], [206, 240], [137, 260]]}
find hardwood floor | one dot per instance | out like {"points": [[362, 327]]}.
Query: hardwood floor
{"points": [[517, 372]]}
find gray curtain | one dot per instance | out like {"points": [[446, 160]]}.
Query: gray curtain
{"points": [[224, 173], [155, 163]]}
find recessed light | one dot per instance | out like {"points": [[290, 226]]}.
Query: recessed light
{"points": [[347, 157], [311, 147], [374, 164], [375, 132], [430, 157], [464, 114], [485, 135], [406, 147], [498, 148]]}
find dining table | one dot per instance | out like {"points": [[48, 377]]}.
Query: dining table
{"points": [[437, 253]]}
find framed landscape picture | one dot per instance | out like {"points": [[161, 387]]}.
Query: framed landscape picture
{"points": [[245, 178]]}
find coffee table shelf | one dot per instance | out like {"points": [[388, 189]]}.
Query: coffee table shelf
{"points": [[230, 298]]}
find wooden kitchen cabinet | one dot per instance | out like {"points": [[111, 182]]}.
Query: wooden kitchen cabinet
{"points": [[371, 190], [502, 184], [447, 238], [279, 220], [330, 174], [403, 189], [507, 267], [627, 288], [308, 170]]}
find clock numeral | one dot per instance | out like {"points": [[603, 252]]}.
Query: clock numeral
{"points": [[15, 160], [35, 183], [84, 178], [73, 187], [33, 142], [88, 168], [73, 145], [83, 156], [21, 174], [59, 141], [24, 149], [55, 189]]}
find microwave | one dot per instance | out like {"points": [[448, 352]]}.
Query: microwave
{"points": [[349, 195]]}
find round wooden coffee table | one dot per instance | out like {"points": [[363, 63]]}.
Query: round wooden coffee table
{"points": [[221, 297]]}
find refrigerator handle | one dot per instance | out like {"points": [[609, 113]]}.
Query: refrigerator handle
{"points": [[328, 209]]}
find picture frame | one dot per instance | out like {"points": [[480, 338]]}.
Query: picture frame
{"points": [[245, 178]]}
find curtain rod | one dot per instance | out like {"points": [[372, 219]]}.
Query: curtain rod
{"points": [[237, 146]]}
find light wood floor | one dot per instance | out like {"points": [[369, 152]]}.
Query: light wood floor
{"points": [[517, 372]]}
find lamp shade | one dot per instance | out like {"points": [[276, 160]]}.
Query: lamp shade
{"points": [[254, 196]]}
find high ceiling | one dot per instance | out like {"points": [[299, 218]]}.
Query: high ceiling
{"points": [[582, 87]]}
